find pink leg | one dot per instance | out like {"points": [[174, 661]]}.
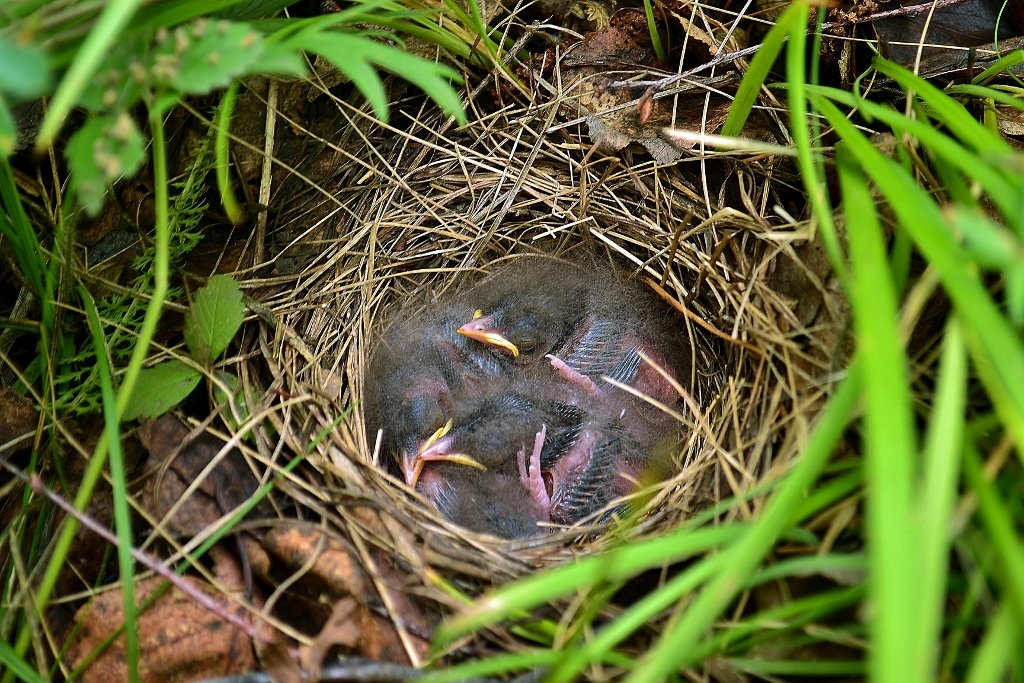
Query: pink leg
{"points": [[530, 475], [574, 377]]}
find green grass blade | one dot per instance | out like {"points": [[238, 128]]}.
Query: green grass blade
{"points": [[1006, 189], [1003, 535], [811, 165], [767, 624], [621, 563], [93, 472], [792, 20], [941, 464], [677, 645], [18, 666], [1001, 65], [998, 647], [574, 660], [223, 136], [652, 29], [893, 544], [946, 109], [994, 344], [119, 486], [513, 661], [982, 92]]}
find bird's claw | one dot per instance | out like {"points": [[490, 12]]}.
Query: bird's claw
{"points": [[530, 474], [574, 376]]}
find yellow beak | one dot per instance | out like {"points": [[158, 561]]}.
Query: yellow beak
{"points": [[480, 330], [434, 450]]}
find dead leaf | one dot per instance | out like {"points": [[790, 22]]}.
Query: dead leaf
{"points": [[340, 630], [965, 24], [183, 458], [336, 564], [179, 640], [18, 418]]}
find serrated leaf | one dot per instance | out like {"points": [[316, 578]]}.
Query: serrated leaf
{"points": [[358, 57], [160, 388], [26, 72], [214, 318], [200, 57], [101, 151], [123, 78]]}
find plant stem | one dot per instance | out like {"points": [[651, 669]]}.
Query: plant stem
{"points": [[93, 472]]}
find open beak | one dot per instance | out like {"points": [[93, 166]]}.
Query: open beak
{"points": [[481, 328], [435, 449]]}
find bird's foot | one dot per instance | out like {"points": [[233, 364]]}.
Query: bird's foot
{"points": [[574, 376], [531, 478]]}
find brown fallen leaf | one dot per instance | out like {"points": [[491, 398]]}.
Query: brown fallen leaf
{"points": [[179, 640], [336, 564], [18, 418], [964, 24], [182, 459], [340, 630], [340, 573]]}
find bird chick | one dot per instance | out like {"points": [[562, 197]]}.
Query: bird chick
{"points": [[511, 437], [418, 368], [596, 322], [527, 308], [500, 439], [559, 454]]}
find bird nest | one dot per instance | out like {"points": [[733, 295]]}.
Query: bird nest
{"points": [[371, 218]]}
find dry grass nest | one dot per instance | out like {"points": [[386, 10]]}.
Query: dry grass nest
{"points": [[373, 217]]}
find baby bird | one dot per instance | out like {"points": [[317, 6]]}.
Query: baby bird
{"points": [[422, 364], [527, 308], [596, 322], [546, 451], [493, 402], [509, 438], [419, 367]]}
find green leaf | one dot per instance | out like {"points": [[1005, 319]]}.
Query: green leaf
{"points": [[347, 52], [430, 77], [123, 78], [26, 73], [357, 57], [104, 149], [160, 388], [214, 318], [206, 55], [8, 131]]}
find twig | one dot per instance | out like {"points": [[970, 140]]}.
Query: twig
{"points": [[179, 582]]}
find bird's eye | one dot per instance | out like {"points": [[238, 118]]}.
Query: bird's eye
{"points": [[526, 345]]}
